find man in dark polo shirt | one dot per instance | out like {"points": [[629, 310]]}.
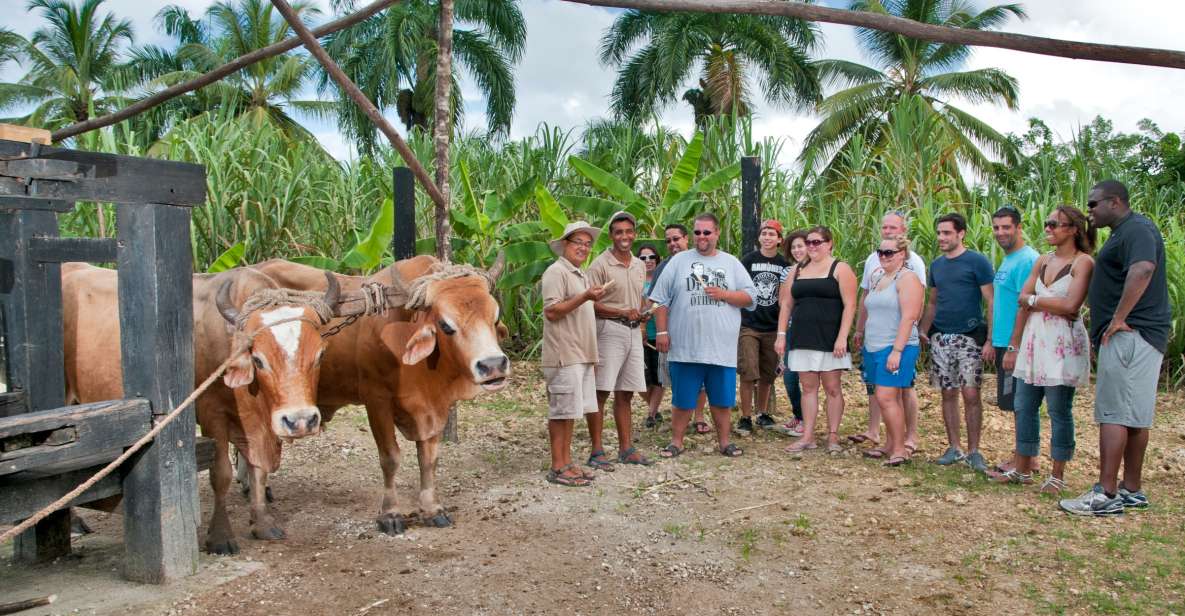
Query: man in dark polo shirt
{"points": [[1130, 319]]}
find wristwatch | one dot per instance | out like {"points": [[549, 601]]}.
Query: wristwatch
{"points": [[1032, 301], [1011, 349]]}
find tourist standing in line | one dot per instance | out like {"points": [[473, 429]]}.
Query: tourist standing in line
{"points": [[757, 362], [794, 249], [648, 255], [569, 348], [893, 225], [1010, 277], [621, 369], [960, 338], [1130, 322], [820, 298], [1049, 353], [676, 236], [893, 305], [700, 297]]}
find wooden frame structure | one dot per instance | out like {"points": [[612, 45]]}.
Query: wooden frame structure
{"points": [[47, 449]]}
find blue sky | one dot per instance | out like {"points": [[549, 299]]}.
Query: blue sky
{"points": [[560, 82]]}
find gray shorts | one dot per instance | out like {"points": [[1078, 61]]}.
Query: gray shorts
{"points": [[571, 391], [1125, 384], [621, 365]]}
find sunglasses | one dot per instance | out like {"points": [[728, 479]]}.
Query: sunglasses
{"points": [[1053, 224], [648, 257], [1091, 204], [885, 254], [815, 243], [701, 232]]}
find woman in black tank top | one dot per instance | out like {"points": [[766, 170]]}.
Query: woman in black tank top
{"points": [[821, 308]]}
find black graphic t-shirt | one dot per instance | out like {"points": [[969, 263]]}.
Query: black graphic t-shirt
{"points": [[767, 274]]}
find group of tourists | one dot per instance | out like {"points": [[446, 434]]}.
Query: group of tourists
{"points": [[701, 319]]}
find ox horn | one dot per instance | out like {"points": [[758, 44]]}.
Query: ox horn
{"points": [[225, 307], [334, 291], [499, 265]]}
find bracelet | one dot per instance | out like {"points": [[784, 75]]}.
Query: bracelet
{"points": [[661, 334], [1032, 301], [781, 333], [895, 349]]}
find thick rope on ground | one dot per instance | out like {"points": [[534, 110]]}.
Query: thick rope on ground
{"points": [[106, 470]]}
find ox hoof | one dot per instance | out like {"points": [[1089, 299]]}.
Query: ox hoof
{"points": [[267, 493], [222, 547], [271, 533], [440, 520], [391, 523]]}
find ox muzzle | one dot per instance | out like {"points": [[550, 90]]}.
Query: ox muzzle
{"points": [[294, 423], [492, 371]]}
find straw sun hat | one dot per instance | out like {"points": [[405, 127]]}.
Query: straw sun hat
{"points": [[557, 245]]}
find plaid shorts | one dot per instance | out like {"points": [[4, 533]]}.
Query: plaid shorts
{"points": [[956, 361]]}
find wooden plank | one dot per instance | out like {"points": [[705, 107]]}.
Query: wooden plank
{"points": [[26, 441], [109, 177], [25, 493], [27, 134], [403, 241], [23, 203], [48, 540], [750, 203], [64, 249], [12, 403], [156, 310]]}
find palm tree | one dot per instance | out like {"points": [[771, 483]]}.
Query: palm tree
{"points": [[265, 92], [392, 58], [72, 64], [729, 50], [910, 67]]}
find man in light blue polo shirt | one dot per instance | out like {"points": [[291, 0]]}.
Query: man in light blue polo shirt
{"points": [[1007, 284]]}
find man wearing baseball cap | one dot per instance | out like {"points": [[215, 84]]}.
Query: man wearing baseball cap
{"points": [[569, 348], [757, 362], [621, 367]]}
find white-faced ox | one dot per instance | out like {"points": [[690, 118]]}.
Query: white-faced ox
{"points": [[268, 394], [410, 366]]}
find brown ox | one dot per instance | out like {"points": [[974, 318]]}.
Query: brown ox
{"points": [[268, 393], [409, 367]]}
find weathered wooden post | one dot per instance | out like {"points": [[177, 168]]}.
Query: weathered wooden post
{"points": [[750, 203], [156, 293], [403, 241]]}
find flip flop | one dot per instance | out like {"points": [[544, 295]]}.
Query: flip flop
{"points": [[631, 456], [875, 453], [896, 461], [834, 448], [671, 451], [800, 447], [732, 451], [860, 438], [702, 427], [559, 478]]}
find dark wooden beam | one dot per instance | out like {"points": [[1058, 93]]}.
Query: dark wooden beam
{"points": [[356, 95], [403, 240], [106, 177], [24, 203], [13, 403], [64, 249], [156, 309], [1077, 50], [750, 203], [53, 436], [206, 79]]}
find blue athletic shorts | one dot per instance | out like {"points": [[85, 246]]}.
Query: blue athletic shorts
{"points": [[687, 379], [876, 374]]}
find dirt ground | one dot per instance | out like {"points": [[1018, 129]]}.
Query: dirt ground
{"points": [[767, 533]]}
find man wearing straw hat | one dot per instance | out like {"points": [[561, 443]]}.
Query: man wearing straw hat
{"points": [[621, 368], [569, 347]]}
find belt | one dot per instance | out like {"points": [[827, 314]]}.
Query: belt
{"points": [[626, 322]]}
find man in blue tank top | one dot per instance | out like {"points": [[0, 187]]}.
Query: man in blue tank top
{"points": [[959, 336]]}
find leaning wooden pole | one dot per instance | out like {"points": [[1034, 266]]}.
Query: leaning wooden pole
{"points": [[1077, 50], [351, 90], [216, 74]]}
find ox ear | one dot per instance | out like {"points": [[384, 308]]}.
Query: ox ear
{"points": [[411, 344], [240, 372], [503, 331]]}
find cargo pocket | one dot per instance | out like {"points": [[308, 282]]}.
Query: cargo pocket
{"points": [[1125, 349], [562, 381]]}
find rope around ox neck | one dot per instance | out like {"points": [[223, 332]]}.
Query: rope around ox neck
{"points": [[417, 289]]}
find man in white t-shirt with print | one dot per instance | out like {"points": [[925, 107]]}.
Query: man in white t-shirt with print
{"points": [[892, 225]]}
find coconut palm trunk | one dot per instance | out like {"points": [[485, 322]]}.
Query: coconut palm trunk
{"points": [[444, 81]]}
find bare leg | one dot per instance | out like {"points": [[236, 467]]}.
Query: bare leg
{"points": [[720, 416], [622, 416], [747, 398], [220, 538], [973, 409], [874, 419], [1112, 445], [763, 397], [810, 405], [831, 384], [894, 417], [559, 433], [909, 402], [699, 406], [263, 526], [680, 419], [596, 422], [390, 521], [1133, 458], [428, 452], [654, 399], [950, 417]]}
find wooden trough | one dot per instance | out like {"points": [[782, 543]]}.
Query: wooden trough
{"points": [[47, 449]]}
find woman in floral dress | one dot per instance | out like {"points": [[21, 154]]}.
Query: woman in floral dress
{"points": [[1050, 349]]}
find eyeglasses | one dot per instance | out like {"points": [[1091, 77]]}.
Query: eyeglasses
{"points": [[885, 254], [581, 244], [648, 257], [1053, 224], [1091, 204], [701, 232], [815, 243]]}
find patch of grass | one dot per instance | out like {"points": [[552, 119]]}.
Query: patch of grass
{"points": [[748, 539], [1127, 580], [677, 531], [1066, 556], [1043, 605], [1102, 602]]}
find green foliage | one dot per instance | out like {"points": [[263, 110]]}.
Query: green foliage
{"points": [[232, 258]]}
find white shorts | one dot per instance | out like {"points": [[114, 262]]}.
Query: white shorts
{"points": [[621, 365], [571, 391], [806, 360]]}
